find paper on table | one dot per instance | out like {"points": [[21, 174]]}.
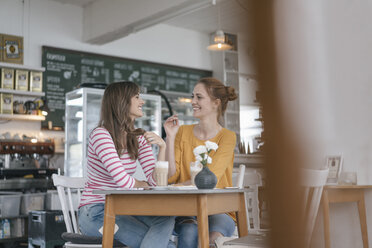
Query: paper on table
{"points": [[129, 188], [184, 187], [174, 187]]}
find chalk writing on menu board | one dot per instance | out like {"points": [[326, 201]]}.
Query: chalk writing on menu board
{"points": [[66, 69]]}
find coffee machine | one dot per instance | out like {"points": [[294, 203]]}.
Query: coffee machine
{"points": [[24, 164]]}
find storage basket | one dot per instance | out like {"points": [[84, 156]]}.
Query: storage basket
{"points": [[32, 202], [9, 203], [52, 200]]}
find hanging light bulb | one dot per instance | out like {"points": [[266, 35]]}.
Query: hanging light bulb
{"points": [[219, 43]]}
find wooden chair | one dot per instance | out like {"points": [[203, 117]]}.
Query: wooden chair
{"points": [[252, 180], [65, 188], [312, 182]]}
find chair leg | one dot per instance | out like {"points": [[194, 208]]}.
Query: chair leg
{"points": [[256, 212], [247, 198]]}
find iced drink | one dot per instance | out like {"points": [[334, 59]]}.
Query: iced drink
{"points": [[161, 173], [195, 168]]}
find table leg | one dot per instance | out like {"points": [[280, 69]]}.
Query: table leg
{"points": [[325, 204], [108, 223], [242, 217], [363, 219], [202, 221]]}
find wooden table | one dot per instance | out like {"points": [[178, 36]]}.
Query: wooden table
{"points": [[200, 203], [345, 193]]}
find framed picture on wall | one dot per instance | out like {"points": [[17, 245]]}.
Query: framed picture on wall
{"points": [[12, 49], [334, 163]]}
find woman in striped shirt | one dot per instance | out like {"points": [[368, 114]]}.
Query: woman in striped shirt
{"points": [[114, 146]]}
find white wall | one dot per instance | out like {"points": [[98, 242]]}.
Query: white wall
{"points": [[55, 24], [324, 59], [348, 39]]}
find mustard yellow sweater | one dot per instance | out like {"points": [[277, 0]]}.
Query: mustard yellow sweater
{"points": [[222, 159]]}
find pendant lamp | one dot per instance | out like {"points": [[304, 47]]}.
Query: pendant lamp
{"points": [[218, 41]]}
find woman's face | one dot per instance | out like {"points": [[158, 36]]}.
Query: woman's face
{"points": [[202, 103], [135, 110]]}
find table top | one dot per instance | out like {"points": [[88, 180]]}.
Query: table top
{"points": [[337, 186], [150, 191]]}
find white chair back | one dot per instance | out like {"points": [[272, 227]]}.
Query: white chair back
{"points": [[65, 186], [312, 182], [252, 180]]}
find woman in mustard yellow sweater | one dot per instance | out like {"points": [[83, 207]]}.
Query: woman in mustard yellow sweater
{"points": [[209, 102]]}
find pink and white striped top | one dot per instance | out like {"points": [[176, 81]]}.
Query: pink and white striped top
{"points": [[106, 170]]}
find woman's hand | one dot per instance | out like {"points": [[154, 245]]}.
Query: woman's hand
{"points": [[154, 139], [171, 125], [141, 184]]}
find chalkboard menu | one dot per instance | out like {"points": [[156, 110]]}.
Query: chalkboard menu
{"points": [[65, 70]]}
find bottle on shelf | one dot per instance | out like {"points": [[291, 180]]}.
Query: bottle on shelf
{"points": [[6, 228]]}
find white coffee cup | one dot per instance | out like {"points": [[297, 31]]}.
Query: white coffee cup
{"points": [[161, 173], [195, 168]]}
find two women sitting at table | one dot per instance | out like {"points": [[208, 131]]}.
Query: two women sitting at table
{"points": [[114, 146], [209, 103]]}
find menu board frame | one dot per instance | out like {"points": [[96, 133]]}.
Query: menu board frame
{"points": [[66, 70]]}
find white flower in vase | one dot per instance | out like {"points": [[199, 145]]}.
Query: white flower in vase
{"points": [[202, 152]]}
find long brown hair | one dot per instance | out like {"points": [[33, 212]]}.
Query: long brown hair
{"points": [[217, 90], [115, 117]]}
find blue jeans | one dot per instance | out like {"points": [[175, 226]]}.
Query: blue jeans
{"points": [[186, 228], [134, 231]]}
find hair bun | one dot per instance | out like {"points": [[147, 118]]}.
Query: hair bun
{"points": [[231, 95]]}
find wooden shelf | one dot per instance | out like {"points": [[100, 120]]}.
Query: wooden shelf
{"points": [[23, 67], [22, 92], [249, 160], [22, 117]]}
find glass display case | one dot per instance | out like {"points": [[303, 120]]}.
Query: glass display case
{"points": [[81, 117], [181, 105]]}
